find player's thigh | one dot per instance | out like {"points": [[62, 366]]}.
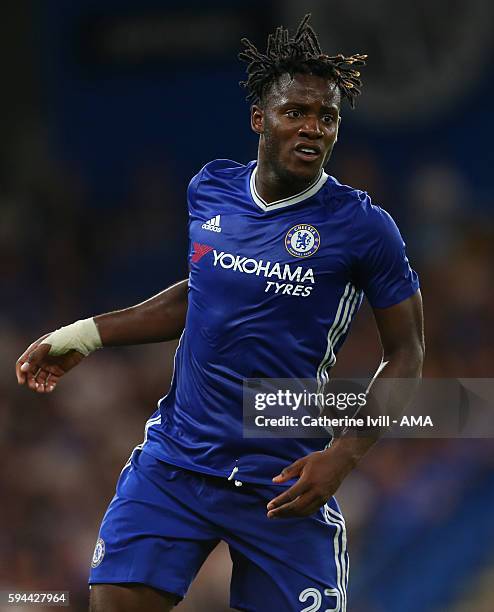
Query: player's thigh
{"points": [[153, 533], [292, 565], [130, 598], [262, 589]]}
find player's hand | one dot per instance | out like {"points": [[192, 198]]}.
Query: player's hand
{"points": [[320, 474], [40, 371]]}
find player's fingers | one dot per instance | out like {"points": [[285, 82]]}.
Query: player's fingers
{"points": [[291, 471], [20, 371], [46, 379], [41, 388], [22, 368], [31, 380], [44, 388], [292, 508], [48, 384], [288, 496], [35, 358], [31, 367], [52, 383], [41, 375], [21, 377], [48, 373], [41, 378], [51, 386]]}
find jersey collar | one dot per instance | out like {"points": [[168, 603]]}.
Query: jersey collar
{"points": [[295, 199]]}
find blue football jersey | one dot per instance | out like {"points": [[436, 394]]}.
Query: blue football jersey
{"points": [[273, 290]]}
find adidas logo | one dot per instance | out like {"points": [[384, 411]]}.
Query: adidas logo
{"points": [[213, 225]]}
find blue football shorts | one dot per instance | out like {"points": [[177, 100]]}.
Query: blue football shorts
{"points": [[164, 521]]}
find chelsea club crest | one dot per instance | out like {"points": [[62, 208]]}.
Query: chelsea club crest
{"points": [[99, 553], [302, 240]]}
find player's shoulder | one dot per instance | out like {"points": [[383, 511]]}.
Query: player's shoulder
{"points": [[219, 170], [345, 196], [359, 207], [226, 167]]}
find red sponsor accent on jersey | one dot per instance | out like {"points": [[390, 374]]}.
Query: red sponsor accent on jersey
{"points": [[199, 251]]}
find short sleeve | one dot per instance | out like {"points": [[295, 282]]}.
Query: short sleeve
{"points": [[383, 270]]}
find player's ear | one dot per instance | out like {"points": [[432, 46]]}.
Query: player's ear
{"points": [[257, 119], [338, 128]]}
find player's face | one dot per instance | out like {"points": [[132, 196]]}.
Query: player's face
{"points": [[298, 126]]}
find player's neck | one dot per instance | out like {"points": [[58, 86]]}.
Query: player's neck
{"points": [[272, 187]]}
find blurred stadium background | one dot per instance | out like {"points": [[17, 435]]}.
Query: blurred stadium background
{"points": [[107, 109]]}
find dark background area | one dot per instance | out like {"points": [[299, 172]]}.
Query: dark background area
{"points": [[107, 109]]}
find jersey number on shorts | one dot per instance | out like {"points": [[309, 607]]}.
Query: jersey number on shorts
{"points": [[316, 596]]}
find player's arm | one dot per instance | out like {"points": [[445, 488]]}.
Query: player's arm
{"points": [[158, 319], [320, 474]]}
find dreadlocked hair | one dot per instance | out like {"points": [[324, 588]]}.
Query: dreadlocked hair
{"points": [[300, 54]]}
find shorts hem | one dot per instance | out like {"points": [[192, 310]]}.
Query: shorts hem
{"points": [[172, 590]]}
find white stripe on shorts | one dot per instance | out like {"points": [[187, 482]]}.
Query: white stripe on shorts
{"points": [[336, 519]]}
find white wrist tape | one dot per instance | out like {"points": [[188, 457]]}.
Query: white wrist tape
{"points": [[82, 336]]}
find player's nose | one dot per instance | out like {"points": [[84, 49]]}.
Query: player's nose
{"points": [[311, 128]]}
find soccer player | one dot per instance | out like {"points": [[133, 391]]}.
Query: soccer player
{"points": [[281, 255]]}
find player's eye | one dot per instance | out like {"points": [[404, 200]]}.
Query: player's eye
{"points": [[294, 114], [328, 118]]}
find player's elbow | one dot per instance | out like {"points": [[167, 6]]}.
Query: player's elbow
{"points": [[408, 359], [418, 356]]}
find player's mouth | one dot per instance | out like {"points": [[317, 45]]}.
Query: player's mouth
{"points": [[308, 152]]}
